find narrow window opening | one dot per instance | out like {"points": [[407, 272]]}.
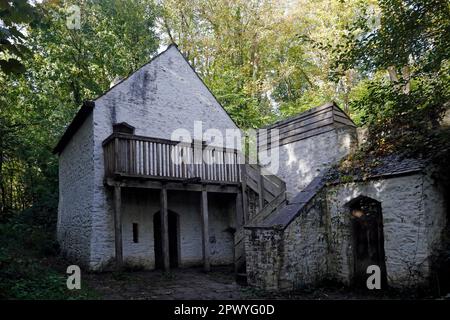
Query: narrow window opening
{"points": [[135, 233]]}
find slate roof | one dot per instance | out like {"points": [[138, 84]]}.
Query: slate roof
{"points": [[392, 165]]}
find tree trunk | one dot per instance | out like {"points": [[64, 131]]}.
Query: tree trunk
{"points": [[406, 75], [392, 74]]}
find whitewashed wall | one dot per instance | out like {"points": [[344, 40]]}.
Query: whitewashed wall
{"points": [[413, 219], [162, 96], [302, 161], [76, 186], [139, 206], [317, 245]]}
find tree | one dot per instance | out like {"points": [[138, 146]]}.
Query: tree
{"points": [[64, 67], [15, 16], [405, 58], [227, 43], [262, 59]]}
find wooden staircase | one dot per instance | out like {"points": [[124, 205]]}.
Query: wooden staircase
{"points": [[263, 194]]}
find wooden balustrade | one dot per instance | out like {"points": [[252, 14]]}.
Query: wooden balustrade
{"points": [[145, 157]]}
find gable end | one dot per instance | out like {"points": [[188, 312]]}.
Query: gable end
{"points": [[88, 106]]}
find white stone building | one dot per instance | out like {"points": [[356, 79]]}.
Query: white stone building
{"points": [[124, 199], [140, 114]]}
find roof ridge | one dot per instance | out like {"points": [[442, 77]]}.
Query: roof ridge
{"points": [[298, 116]]}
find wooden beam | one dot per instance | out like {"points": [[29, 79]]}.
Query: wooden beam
{"points": [[244, 192], [260, 191], [118, 225], [153, 184], [205, 231], [164, 229]]}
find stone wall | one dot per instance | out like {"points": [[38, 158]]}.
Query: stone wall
{"points": [[435, 208], [304, 261], [293, 257], [76, 186], [264, 254], [303, 160], [404, 226], [317, 244]]}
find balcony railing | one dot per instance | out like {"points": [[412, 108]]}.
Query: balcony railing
{"points": [[144, 157]]}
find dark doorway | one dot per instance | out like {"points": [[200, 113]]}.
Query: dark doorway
{"points": [[173, 240], [368, 239]]}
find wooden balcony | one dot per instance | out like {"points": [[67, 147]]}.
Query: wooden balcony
{"points": [[143, 158], [142, 162]]}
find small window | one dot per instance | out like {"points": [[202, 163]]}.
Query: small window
{"points": [[135, 233]]}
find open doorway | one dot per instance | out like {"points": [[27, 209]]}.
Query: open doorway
{"points": [[173, 239], [368, 239]]}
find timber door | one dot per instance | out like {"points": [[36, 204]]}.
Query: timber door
{"points": [[368, 240]]}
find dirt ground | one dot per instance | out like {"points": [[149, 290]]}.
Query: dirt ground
{"points": [[193, 283]]}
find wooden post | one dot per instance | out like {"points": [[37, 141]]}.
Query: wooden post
{"points": [[205, 231], [239, 212], [244, 192], [118, 225], [165, 229]]}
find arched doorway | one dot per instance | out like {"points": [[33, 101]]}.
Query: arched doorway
{"points": [[173, 239], [368, 239]]}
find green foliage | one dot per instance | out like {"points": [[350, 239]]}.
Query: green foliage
{"points": [[405, 57], [64, 68], [14, 15], [116, 38], [402, 32], [403, 121], [26, 250], [258, 58]]}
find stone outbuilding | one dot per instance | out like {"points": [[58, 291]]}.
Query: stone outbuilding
{"points": [[392, 216]]}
